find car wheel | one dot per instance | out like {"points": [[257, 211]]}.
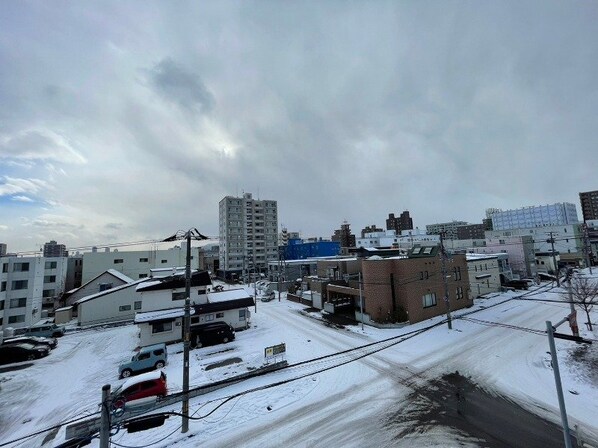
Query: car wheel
{"points": [[159, 364], [225, 339], [30, 357], [126, 373]]}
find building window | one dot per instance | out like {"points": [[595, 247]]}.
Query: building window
{"points": [[161, 327], [219, 315], [241, 314], [48, 293], [457, 273], [137, 304], [124, 308], [209, 317], [143, 260], [179, 296], [429, 300], [18, 303], [142, 275], [118, 261], [105, 286], [19, 284], [194, 320], [50, 265], [16, 319], [20, 267], [3, 286], [1, 305], [4, 267], [459, 292], [49, 279], [164, 261]]}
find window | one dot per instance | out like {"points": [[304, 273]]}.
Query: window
{"points": [[459, 292], [118, 261], [429, 300], [18, 303], [50, 265], [16, 319], [105, 286], [178, 296], [241, 314], [20, 284], [4, 267], [142, 275], [137, 305], [457, 273], [124, 308], [194, 320], [1, 305], [143, 260], [20, 267], [219, 315], [161, 327], [49, 279], [3, 286], [164, 261], [143, 356], [209, 317], [49, 293]]}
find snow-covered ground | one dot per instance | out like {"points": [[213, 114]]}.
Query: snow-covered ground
{"points": [[340, 406]]}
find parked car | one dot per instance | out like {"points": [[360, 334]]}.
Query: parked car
{"points": [[211, 334], [35, 340], [268, 296], [21, 352], [148, 358], [47, 330], [150, 384]]}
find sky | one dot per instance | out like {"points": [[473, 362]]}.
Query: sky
{"points": [[127, 121]]}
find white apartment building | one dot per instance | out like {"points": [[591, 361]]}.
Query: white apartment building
{"points": [[137, 264], [406, 240], [567, 238], [27, 284], [448, 228], [248, 235], [562, 213]]}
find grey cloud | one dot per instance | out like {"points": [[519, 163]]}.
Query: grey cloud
{"points": [[181, 87]]}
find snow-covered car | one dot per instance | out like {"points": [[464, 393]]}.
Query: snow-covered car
{"points": [[151, 384], [36, 340]]}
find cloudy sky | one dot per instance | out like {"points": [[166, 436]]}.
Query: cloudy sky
{"points": [[126, 121]]}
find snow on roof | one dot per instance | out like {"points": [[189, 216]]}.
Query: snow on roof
{"points": [[153, 375], [120, 275], [108, 291], [150, 316], [474, 257], [231, 294]]}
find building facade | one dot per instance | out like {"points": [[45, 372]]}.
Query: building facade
{"points": [[471, 232], [520, 251], [27, 286], [484, 274], [562, 213], [53, 249], [3, 248], [589, 205], [568, 239], [403, 222], [344, 235], [248, 235], [449, 229]]}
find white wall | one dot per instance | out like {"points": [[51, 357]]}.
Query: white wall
{"points": [[94, 287], [483, 267], [146, 337], [106, 308]]}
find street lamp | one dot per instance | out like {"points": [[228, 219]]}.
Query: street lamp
{"points": [[188, 236]]}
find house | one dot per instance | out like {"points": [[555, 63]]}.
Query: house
{"points": [[106, 280], [484, 274], [166, 325], [169, 292]]}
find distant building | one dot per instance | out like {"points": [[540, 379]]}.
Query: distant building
{"points": [[284, 236], [370, 229], [2, 249], [484, 274], [535, 216], [520, 250], [449, 229], [589, 205], [248, 235], [403, 222], [344, 235], [299, 250], [407, 239], [471, 232], [53, 249]]}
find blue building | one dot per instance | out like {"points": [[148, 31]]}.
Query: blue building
{"points": [[299, 250]]}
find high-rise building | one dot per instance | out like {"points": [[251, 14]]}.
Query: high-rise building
{"points": [[471, 232], [2, 249], [589, 205], [344, 235], [248, 235], [403, 222], [370, 229], [448, 229], [53, 249], [562, 213]]}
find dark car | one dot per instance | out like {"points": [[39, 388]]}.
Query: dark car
{"points": [[211, 334], [49, 342], [21, 352]]}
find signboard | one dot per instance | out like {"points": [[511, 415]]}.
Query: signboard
{"points": [[275, 350]]}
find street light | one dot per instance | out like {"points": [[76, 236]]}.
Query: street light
{"points": [[188, 236]]}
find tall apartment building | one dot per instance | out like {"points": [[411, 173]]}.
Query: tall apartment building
{"points": [[2, 249], [344, 235], [589, 205], [448, 228], [558, 214], [27, 285], [370, 229], [53, 249], [248, 235], [403, 222]]}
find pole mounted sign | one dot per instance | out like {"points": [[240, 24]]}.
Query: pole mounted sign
{"points": [[275, 350]]}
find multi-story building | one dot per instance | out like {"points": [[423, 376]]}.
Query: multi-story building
{"points": [[407, 239], [370, 229], [137, 264], [284, 236], [471, 232], [520, 251], [562, 213], [53, 249], [27, 285], [449, 229], [589, 205], [248, 235], [484, 273], [2, 249], [403, 222], [344, 235]]}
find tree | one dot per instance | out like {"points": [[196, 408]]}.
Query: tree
{"points": [[584, 292]]}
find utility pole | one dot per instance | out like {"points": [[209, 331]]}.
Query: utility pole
{"points": [[361, 299], [279, 272], [559, 387], [105, 417], [572, 316], [445, 281], [587, 249], [556, 268]]}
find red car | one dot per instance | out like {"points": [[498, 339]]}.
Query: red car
{"points": [[151, 384]]}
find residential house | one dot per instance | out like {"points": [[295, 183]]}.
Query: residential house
{"points": [[484, 274]]}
